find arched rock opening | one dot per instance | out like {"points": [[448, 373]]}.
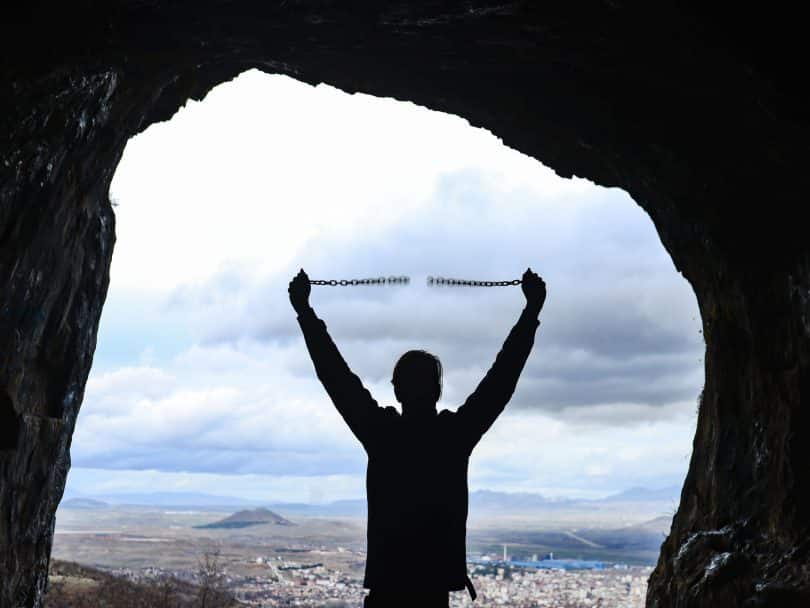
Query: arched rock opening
{"points": [[698, 116]]}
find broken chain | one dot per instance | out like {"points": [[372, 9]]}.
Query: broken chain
{"points": [[354, 282], [433, 281]]}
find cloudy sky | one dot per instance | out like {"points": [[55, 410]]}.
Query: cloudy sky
{"points": [[201, 380]]}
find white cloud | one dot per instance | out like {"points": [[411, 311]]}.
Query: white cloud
{"points": [[201, 375], [269, 488], [246, 177]]}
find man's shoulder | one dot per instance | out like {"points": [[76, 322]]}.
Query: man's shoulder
{"points": [[391, 413], [388, 414], [447, 417]]}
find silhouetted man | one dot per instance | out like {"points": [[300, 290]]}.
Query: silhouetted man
{"points": [[416, 480]]}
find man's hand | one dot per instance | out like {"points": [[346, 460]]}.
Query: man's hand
{"points": [[534, 288], [299, 291]]}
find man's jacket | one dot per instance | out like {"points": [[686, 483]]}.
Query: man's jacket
{"points": [[416, 479]]}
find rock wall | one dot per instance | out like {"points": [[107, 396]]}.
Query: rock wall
{"points": [[699, 115]]}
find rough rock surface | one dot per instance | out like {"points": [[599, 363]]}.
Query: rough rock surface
{"points": [[699, 114]]}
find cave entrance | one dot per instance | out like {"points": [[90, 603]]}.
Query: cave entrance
{"points": [[200, 378], [696, 113]]}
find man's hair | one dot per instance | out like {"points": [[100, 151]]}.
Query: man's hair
{"points": [[412, 363]]}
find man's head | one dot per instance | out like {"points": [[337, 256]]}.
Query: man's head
{"points": [[418, 381]]}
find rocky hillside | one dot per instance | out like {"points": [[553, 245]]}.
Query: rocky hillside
{"points": [[74, 586]]}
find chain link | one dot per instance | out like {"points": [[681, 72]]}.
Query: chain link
{"points": [[354, 282], [432, 281], [468, 283]]}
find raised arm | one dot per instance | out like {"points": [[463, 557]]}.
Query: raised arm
{"points": [[352, 400], [489, 399]]}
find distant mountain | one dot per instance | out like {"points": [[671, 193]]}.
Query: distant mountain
{"points": [[340, 508], [482, 502], [487, 502], [512, 502], [252, 517], [179, 499], [83, 503], [638, 494], [199, 500], [659, 525]]}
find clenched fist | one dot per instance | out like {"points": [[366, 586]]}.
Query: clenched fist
{"points": [[299, 290], [534, 288]]}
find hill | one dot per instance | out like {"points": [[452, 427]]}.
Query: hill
{"points": [[251, 517], [83, 503], [637, 494], [76, 586]]}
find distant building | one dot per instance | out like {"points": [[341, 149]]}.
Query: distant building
{"points": [[561, 564]]}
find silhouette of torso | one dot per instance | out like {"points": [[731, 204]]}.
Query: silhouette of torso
{"points": [[416, 479], [416, 483]]}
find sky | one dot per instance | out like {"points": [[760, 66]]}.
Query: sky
{"points": [[201, 381]]}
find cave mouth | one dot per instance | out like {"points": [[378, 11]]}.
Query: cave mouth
{"points": [[430, 195], [696, 113]]}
